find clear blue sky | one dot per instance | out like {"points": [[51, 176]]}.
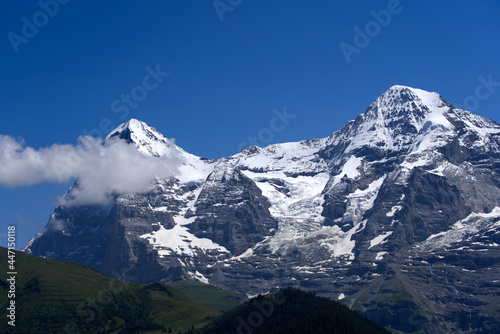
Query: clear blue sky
{"points": [[226, 76]]}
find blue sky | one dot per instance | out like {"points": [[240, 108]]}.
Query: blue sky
{"points": [[228, 69]]}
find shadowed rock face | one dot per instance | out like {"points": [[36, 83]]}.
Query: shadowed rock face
{"points": [[397, 214], [243, 220]]}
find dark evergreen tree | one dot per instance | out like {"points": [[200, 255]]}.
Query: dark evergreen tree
{"points": [[292, 311]]}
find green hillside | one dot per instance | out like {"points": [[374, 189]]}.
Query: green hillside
{"points": [[65, 297], [209, 295], [291, 311]]}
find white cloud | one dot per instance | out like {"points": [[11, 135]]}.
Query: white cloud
{"points": [[56, 224], [101, 168]]}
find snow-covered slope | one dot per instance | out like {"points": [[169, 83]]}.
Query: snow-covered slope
{"points": [[147, 139], [383, 207], [150, 142]]}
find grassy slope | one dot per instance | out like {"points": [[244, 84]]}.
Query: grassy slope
{"points": [[65, 297], [54, 296], [209, 295]]}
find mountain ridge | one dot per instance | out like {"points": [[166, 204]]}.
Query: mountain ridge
{"points": [[342, 215]]}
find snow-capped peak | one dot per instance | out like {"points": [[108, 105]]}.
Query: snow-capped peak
{"points": [[407, 106], [150, 141], [147, 138], [412, 104], [395, 120]]}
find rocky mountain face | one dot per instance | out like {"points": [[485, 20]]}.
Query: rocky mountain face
{"points": [[397, 214]]}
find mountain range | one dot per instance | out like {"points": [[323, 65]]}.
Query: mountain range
{"points": [[397, 215]]}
